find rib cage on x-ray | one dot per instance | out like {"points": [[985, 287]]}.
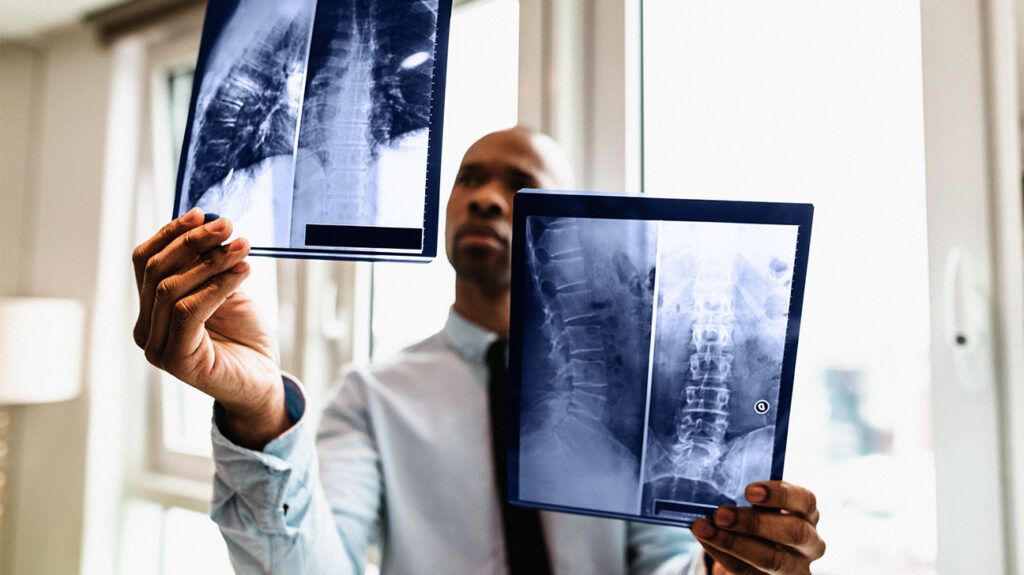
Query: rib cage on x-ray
{"points": [[627, 400], [253, 114], [241, 152], [298, 102]]}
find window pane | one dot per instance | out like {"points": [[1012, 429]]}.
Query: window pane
{"points": [[193, 544], [179, 88], [140, 537], [186, 414], [410, 302], [170, 541], [811, 101]]}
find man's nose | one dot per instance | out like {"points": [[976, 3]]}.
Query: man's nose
{"points": [[488, 202]]}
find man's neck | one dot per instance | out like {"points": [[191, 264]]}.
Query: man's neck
{"points": [[484, 306]]}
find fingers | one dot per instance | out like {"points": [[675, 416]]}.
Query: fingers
{"points": [[777, 536], [187, 333], [784, 496], [748, 555], [790, 530], [183, 250], [160, 240], [174, 288]]}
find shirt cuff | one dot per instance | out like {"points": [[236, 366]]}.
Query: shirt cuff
{"points": [[273, 479]]}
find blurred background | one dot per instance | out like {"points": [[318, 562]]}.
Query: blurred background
{"points": [[899, 119]]}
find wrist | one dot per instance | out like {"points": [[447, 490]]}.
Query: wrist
{"points": [[256, 422]]}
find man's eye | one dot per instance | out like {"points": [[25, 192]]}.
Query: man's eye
{"points": [[519, 183], [470, 179]]}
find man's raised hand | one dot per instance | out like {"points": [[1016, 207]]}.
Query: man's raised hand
{"points": [[194, 324]]}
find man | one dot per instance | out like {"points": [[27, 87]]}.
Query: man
{"points": [[405, 446]]}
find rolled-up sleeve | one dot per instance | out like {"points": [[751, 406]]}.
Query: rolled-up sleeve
{"points": [[270, 504]]}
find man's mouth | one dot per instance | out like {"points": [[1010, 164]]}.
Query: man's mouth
{"points": [[480, 235]]}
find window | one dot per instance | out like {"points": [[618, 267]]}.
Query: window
{"points": [[821, 102], [157, 548]]}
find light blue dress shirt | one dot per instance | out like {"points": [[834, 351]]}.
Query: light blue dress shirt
{"points": [[402, 459]]}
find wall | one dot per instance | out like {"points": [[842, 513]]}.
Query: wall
{"points": [[19, 79], [53, 111]]}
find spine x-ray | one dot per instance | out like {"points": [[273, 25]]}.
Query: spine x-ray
{"points": [[653, 356], [315, 125]]}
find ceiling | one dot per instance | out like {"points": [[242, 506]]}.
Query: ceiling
{"points": [[25, 18]]}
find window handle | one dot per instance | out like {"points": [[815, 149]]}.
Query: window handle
{"points": [[968, 323]]}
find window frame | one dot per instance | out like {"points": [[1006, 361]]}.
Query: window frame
{"points": [[973, 167]]}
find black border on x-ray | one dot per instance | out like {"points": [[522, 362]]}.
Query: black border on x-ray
{"points": [[217, 16], [603, 205]]}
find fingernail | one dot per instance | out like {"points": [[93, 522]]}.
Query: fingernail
{"points": [[756, 494], [725, 517], [236, 246], [240, 267], [209, 217], [191, 215], [702, 528], [219, 225]]}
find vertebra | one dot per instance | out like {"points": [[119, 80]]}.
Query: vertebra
{"points": [[571, 322], [703, 415]]}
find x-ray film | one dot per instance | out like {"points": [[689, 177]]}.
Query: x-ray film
{"points": [[652, 350], [315, 125]]}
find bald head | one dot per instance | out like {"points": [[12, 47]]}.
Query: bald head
{"points": [[528, 149]]}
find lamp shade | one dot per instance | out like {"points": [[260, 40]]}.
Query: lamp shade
{"points": [[41, 341]]}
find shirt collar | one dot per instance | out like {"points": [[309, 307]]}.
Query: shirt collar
{"points": [[467, 338]]}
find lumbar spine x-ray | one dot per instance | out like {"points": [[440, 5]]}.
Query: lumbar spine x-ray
{"points": [[703, 416], [651, 362]]}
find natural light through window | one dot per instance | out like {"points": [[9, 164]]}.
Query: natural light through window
{"points": [[821, 102]]}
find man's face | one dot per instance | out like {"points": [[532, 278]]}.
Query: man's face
{"points": [[478, 236]]}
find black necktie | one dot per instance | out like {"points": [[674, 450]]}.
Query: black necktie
{"points": [[524, 535]]}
